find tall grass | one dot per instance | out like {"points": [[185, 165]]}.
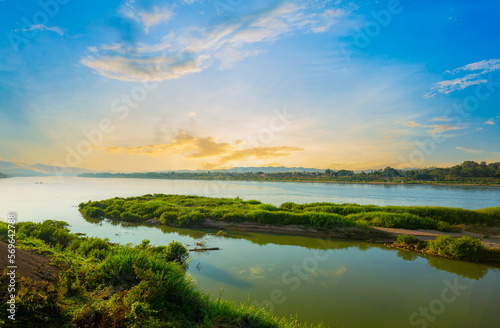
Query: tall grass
{"points": [[189, 210]]}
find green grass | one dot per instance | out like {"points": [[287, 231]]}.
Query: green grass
{"points": [[108, 285], [189, 210]]}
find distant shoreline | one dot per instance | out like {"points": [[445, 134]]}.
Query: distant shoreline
{"points": [[314, 181]]}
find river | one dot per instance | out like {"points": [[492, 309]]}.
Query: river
{"points": [[342, 283]]}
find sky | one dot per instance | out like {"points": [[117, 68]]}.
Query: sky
{"points": [[200, 84]]}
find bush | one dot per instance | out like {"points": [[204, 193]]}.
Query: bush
{"points": [[267, 207], [444, 226], [176, 252], [407, 239], [168, 217], [91, 247], [463, 248], [127, 216], [94, 212], [51, 232]]}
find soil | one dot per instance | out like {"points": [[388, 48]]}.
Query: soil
{"points": [[29, 264]]}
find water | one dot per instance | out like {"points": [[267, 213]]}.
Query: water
{"points": [[342, 283]]}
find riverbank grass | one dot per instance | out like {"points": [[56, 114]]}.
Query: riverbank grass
{"points": [[93, 283]]}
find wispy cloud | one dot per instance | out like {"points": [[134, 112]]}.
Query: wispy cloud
{"points": [[148, 18], [460, 83], [470, 151], [196, 48], [492, 121], [435, 128], [441, 119], [486, 66], [205, 147], [42, 27]]}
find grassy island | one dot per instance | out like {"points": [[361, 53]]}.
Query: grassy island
{"points": [[195, 210], [68, 280]]}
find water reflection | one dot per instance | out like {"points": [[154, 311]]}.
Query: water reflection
{"points": [[407, 255], [207, 270], [463, 269]]}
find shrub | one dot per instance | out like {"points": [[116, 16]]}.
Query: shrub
{"points": [[195, 217], [91, 247], [176, 252], [267, 207], [168, 217], [114, 214], [290, 206], [407, 239], [93, 212], [127, 216], [51, 232], [463, 248], [444, 226]]}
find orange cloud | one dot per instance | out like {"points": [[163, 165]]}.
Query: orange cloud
{"points": [[203, 147], [181, 144]]}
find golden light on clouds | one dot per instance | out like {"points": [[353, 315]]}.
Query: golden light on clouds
{"points": [[193, 147]]}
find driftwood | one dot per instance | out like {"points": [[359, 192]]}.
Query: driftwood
{"points": [[204, 249]]}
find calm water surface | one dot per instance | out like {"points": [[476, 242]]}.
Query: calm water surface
{"points": [[342, 283]]}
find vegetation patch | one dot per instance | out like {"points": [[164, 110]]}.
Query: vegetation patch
{"points": [[194, 210], [463, 248], [107, 285]]}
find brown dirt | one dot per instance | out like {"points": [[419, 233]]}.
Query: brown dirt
{"points": [[29, 264], [492, 242]]}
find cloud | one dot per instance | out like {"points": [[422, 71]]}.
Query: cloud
{"points": [[181, 144], [492, 121], [435, 128], [138, 68], [204, 147], [470, 151], [486, 66], [448, 86], [441, 119], [224, 42], [149, 18], [42, 27], [252, 153]]}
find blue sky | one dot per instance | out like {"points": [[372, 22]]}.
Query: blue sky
{"points": [[194, 84]]}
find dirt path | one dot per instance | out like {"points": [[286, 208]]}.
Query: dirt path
{"points": [[29, 265], [491, 242]]}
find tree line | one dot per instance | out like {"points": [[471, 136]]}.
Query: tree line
{"points": [[467, 172]]}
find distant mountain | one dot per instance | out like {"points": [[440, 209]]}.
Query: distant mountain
{"points": [[270, 169], [247, 169], [37, 170]]}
